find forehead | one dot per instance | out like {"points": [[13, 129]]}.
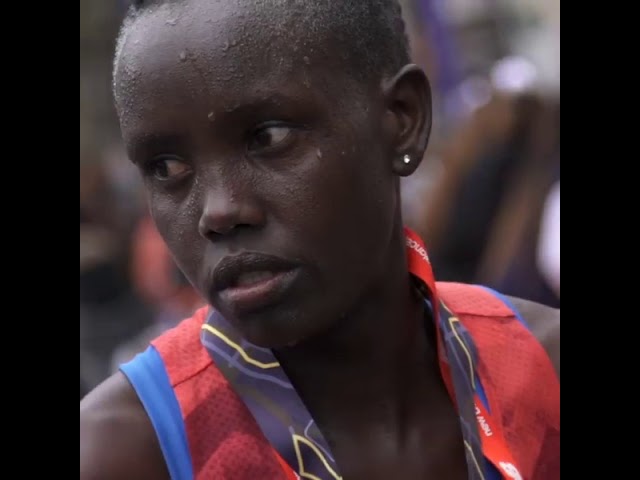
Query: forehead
{"points": [[219, 31], [226, 51]]}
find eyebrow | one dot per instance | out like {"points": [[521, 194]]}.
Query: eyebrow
{"points": [[268, 101], [146, 143]]}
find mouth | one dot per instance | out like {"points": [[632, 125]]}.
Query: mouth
{"points": [[249, 282]]}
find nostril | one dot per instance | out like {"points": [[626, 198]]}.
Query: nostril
{"points": [[218, 234]]}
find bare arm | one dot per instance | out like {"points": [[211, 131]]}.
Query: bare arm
{"points": [[117, 440], [545, 325]]}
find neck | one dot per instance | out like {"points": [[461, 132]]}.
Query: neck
{"points": [[376, 364]]}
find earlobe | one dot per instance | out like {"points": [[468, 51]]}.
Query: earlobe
{"points": [[408, 99], [405, 165]]}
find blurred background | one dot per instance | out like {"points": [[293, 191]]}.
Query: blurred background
{"points": [[486, 199]]}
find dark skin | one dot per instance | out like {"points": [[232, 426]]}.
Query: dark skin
{"points": [[300, 162]]}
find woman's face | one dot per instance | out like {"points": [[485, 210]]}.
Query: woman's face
{"points": [[267, 166]]}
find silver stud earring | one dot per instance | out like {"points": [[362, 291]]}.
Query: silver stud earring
{"points": [[407, 159]]}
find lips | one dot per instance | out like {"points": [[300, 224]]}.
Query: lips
{"points": [[250, 281]]}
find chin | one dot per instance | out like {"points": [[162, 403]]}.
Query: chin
{"points": [[275, 328]]}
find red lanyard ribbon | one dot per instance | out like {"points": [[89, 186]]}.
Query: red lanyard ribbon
{"points": [[494, 445]]}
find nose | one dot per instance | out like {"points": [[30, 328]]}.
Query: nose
{"points": [[223, 213]]}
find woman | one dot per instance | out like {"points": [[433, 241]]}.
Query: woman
{"points": [[271, 137]]}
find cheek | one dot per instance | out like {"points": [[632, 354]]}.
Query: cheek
{"points": [[178, 226], [346, 206]]}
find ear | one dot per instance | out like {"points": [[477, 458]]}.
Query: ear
{"points": [[408, 103]]}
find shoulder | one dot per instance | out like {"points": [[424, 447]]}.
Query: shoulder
{"points": [[544, 323], [117, 439]]}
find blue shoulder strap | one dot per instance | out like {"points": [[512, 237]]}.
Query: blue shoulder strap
{"points": [[504, 299], [149, 378]]}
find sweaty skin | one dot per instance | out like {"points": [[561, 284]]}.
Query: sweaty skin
{"points": [[252, 149]]}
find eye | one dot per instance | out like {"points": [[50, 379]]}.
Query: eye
{"points": [[167, 168], [268, 137]]}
